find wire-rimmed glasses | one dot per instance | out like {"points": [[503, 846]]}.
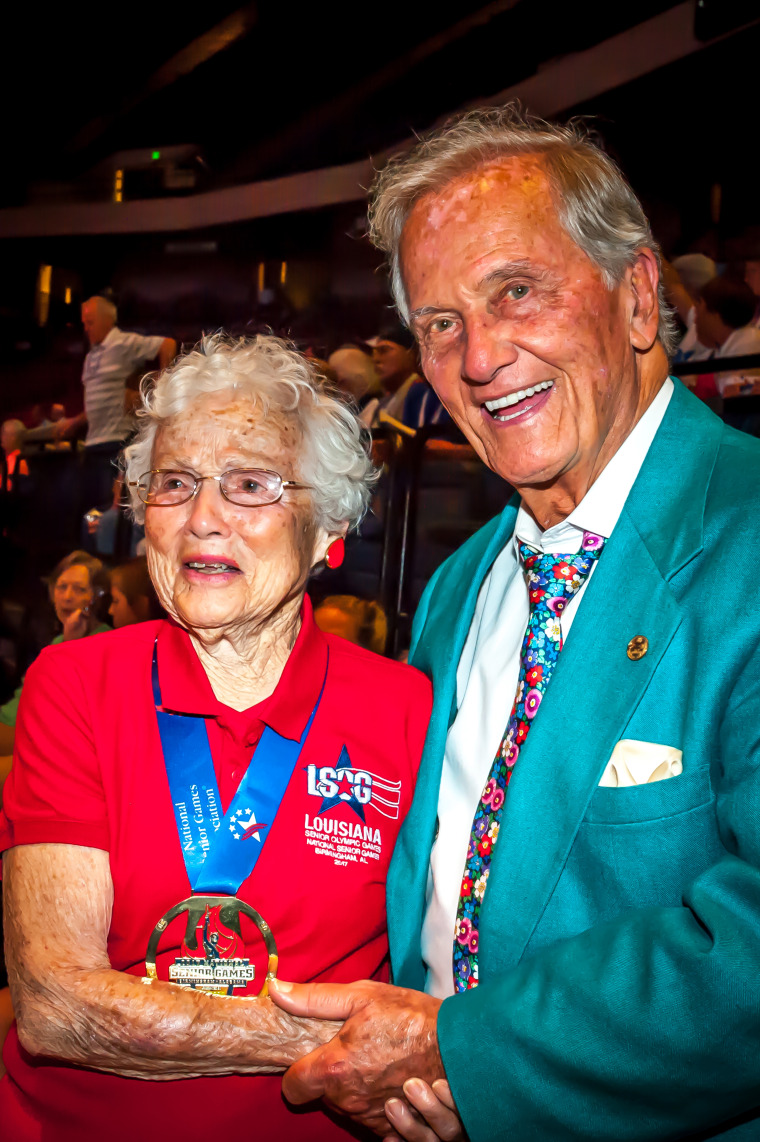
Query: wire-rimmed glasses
{"points": [[246, 487]]}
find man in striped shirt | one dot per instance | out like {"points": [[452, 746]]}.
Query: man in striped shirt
{"points": [[114, 359]]}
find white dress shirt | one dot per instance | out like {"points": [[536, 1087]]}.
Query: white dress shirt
{"points": [[107, 368], [487, 679]]}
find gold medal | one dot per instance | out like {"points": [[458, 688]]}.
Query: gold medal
{"points": [[209, 959]]}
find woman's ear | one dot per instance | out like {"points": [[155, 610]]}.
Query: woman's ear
{"points": [[324, 540]]}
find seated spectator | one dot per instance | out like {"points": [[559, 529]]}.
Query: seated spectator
{"points": [[133, 599], [14, 467], [395, 359], [684, 281], [724, 313], [79, 591], [361, 621], [394, 351], [422, 407], [356, 373], [100, 527]]}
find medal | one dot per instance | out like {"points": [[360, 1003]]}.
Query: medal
{"points": [[208, 960], [220, 849]]}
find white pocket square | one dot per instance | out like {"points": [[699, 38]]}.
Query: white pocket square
{"points": [[638, 763]]}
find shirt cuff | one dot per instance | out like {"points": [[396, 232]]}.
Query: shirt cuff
{"points": [[85, 834]]}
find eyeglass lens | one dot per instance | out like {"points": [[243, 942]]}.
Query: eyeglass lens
{"points": [[249, 487]]}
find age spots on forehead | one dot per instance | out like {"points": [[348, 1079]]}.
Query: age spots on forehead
{"points": [[236, 430]]}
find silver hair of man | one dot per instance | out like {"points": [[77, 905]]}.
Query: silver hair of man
{"points": [[594, 203], [276, 379]]}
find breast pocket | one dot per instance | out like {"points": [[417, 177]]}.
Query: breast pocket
{"points": [[653, 801]]}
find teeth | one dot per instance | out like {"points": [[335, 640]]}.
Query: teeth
{"points": [[210, 566], [515, 398]]}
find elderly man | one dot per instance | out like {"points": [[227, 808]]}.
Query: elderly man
{"points": [[110, 377], [574, 900]]}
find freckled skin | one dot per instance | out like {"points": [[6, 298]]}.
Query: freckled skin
{"points": [[244, 626], [502, 299]]}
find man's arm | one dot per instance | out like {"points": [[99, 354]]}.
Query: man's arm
{"points": [[167, 352], [70, 426], [70, 1004], [141, 346], [642, 1028]]}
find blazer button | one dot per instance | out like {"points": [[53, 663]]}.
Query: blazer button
{"points": [[638, 647]]}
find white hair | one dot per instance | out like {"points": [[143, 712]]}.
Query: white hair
{"points": [[594, 203], [695, 271], [355, 371], [104, 307], [276, 379]]}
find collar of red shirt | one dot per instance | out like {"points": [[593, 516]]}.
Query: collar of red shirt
{"points": [[186, 689]]}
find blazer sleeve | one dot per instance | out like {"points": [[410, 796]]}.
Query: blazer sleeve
{"points": [[646, 1027]]}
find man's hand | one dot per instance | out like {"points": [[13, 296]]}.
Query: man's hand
{"points": [[436, 1115], [78, 624], [389, 1036], [69, 426]]}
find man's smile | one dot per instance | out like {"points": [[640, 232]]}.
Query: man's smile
{"points": [[518, 403]]}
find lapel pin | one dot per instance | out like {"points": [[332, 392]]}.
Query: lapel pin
{"points": [[638, 647]]}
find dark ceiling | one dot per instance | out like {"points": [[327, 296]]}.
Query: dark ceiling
{"points": [[298, 86]]}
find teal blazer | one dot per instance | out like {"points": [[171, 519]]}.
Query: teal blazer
{"points": [[619, 955]]}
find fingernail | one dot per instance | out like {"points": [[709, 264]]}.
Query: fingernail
{"points": [[414, 1086], [280, 985], [393, 1106]]}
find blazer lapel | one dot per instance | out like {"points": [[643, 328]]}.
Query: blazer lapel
{"points": [[596, 687]]}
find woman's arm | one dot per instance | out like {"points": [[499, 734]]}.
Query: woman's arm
{"points": [[70, 1004]]}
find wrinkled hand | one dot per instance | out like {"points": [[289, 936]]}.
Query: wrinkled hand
{"points": [[389, 1036], [436, 1116]]}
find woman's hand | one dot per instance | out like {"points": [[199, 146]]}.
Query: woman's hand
{"points": [[78, 624], [436, 1115]]}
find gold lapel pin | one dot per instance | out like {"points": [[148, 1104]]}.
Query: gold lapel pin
{"points": [[638, 647]]}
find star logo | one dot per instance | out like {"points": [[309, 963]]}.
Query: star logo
{"points": [[243, 825], [345, 793]]}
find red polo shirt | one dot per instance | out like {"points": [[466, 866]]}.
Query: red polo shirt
{"points": [[89, 771]]}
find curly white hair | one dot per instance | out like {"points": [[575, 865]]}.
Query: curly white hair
{"points": [[276, 378]]}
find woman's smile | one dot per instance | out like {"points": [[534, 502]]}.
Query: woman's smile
{"points": [[210, 570]]}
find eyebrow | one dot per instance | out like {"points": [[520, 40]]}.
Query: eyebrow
{"points": [[424, 311], [496, 277], [506, 272]]}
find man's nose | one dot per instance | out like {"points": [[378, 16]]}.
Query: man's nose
{"points": [[207, 510], [488, 349]]}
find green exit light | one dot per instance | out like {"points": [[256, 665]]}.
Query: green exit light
{"points": [[155, 155]]}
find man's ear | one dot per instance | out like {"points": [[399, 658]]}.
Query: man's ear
{"points": [[645, 314]]}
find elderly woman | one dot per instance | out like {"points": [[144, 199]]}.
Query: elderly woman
{"points": [[193, 798]]}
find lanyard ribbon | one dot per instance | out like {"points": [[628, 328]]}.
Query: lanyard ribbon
{"points": [[221, 849]]}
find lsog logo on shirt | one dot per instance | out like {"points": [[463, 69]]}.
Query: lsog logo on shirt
{"points": [[342, 784]]}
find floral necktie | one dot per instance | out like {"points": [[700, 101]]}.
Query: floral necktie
{"points": [[552, 582]]}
